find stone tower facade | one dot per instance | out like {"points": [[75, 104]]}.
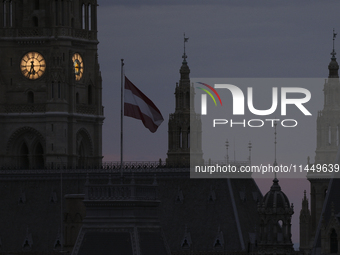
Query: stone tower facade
{"points": [[185, 127], [275, 227], [50, 84], [327, 121], [328, 131]]}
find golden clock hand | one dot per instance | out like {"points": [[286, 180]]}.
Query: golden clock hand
{"points": [[32, 71]]}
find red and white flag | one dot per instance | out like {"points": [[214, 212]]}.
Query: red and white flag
{"points": [[139, 106]]}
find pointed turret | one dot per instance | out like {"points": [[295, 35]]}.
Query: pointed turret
{"points": [[305, 225], [333, 66], [326, 152], [184, 123], [275, 163]]}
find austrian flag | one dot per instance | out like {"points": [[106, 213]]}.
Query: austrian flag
{"points": [[139, 106]]}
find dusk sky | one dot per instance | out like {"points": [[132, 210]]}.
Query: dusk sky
{"points": [[227, 39]]}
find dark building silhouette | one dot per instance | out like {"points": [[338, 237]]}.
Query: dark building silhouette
{"points": [[56, 195], [328, 134]]}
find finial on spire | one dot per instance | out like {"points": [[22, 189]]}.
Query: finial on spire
{"points": [[249, 147], [227, 146], [333, 53], [184, 55]]}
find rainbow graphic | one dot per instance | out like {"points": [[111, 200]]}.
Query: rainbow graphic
{"points": [[209, 93]]}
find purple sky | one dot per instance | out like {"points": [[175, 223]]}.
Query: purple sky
{"points": [[226, 39]]}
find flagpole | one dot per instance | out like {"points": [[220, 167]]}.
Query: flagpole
{"points": [[121, 119]]}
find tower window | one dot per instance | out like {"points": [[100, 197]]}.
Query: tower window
{"points": [[90, 18], [30, 97], [36, 5], [5, 13], [10, 13], [52, 89], [188, 138], [23, 158], [35, 22], [83, 16], [59, 89], [39, 157], [333, 242], [62, 13], [77, 98], [180, 138], [56, 13]]}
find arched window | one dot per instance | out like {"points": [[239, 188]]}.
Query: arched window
{"points": [[62, 13], [56, 13], [90, 18], [280, 231], [36, 5], [39, 157], [52, 89], [83, 16], [77, 98], [180, 138], [89, 94], [30, 97], [7, 13], [59, 90], [4, 6], [35, 21], [10, 13], [188, 138], [333, 242], [23, 156]]}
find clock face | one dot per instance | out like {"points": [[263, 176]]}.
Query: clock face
{"points": [[33, 65], [78, 66]]}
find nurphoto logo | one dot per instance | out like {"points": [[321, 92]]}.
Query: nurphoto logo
{"points": [[301, 97]]}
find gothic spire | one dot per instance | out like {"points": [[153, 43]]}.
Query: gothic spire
{"points": [[184, 55], [333, 65], [184, 71], [333, 53], [275, 163]]}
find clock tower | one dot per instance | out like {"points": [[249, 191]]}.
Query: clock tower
{"points": [[51, 110]]}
